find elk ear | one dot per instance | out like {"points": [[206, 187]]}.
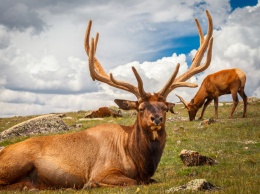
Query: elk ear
{"points": [[126, 104], [192, 101], [170, 107]]}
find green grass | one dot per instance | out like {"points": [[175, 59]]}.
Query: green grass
{"points": [[234, 143]]}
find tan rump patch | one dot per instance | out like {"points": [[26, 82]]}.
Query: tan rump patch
{"points": [[242, 76]]}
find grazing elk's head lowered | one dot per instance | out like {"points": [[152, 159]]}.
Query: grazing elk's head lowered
{"points": [[108, 154]]}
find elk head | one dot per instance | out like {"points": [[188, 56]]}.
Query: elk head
{"points": [[151, 108], [191, 107]]}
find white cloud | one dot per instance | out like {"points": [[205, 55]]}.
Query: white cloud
{"points": [[237, 44], [48, 72]]}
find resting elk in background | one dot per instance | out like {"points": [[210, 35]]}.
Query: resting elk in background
{"points": [[229, 81], [108, 154]]}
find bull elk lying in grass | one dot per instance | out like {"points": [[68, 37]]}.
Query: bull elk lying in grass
{"points": [[108, 154], [229, 81]]}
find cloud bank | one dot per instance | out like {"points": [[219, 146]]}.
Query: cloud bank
{"points": [[44, 67]]}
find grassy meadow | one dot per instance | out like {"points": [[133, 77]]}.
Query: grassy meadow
{"points": [[234, 143]]}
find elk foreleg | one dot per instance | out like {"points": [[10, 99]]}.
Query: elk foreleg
{"points": [[244, 97], [23, 185], [110, 178], [216, 107], [208, 101]]}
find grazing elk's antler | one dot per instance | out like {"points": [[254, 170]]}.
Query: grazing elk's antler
{"points": [[97, 72], [205, 44]]}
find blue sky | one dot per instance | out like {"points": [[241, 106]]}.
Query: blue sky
{"points": [[242, 3], [44, 67], [193, 41]]}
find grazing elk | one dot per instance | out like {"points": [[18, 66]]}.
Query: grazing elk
{"points": [[108, 154], [229, 81]]}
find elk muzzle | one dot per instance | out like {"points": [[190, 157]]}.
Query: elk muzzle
{"points": [[192, 115], [157, 121]]}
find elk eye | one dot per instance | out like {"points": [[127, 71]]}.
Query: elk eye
{"points": [[141, 109]]}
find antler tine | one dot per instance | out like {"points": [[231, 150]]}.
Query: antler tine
{"points": [[171, 85], [97, 72], [183, 101], [125, 86], [203, 44], [139, 92], [200, 31], [140, 83], [206, 44], [96, 41], [208, 59], [97, 65], [200, 35], [170, 81], [177, 85], [87, 34], [195, 67]]}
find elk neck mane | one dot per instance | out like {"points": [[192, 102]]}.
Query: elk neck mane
{"points": [[200, 96], [144, 149]]}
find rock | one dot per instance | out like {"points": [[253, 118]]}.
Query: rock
{"points": [[207, 121], [181, 128], [50, 123], [193, 158], [177, 118], [194, 185], [79, 125]]}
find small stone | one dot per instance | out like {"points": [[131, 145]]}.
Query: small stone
{"points": [[193, 158], [194, 185]]}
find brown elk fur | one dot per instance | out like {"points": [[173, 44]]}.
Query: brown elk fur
{"points": [[108, 154], [103, 112], [229, 81]]}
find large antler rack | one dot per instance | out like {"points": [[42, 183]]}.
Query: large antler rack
{"points": [[98, 73], [205, 44]]}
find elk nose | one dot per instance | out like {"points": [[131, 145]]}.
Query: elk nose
{"points": [[156, 119]]}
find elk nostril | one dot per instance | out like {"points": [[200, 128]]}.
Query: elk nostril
{"points": [[156, 120]]}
